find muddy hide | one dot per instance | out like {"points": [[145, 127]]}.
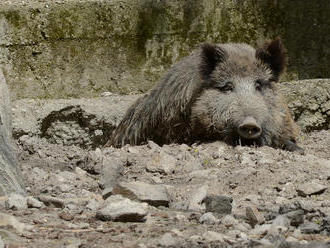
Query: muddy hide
{"points": [[10, 176]]}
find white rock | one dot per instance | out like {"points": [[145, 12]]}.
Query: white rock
{"points": [[155, 195], [118, 208]]}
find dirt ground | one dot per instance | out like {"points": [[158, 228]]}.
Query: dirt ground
{"points": [[69, 184]]}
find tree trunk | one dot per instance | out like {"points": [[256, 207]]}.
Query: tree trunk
{"points": [[10, 175]]}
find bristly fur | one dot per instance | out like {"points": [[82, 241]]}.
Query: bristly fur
{"points": [[206, 96]]}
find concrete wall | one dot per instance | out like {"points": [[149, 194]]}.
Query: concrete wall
{"points": [[80, 48]]}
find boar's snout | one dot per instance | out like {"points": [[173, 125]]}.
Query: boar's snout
{"points": [[249, 128]]}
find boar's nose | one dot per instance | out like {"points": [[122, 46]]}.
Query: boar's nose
{"points": [[249, 128]]}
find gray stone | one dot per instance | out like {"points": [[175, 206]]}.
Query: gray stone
{"points": [[219, 204], [259, 231], [309, 228], [211, 236], [112, 168], [326, 224], [254, 216], [16, 202], [279, 226], [309, 102], [92, 205], [34, 203], [197, 197], [167, 240], [229, 221], [289, 207], [155, 195], [296, 217], [52, 201], [162, 163], [10, 175], [311, 188], [118, 208], [208, 218], [108, 191]]}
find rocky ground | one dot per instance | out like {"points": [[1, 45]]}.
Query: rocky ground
{"points": [[204, 195]]}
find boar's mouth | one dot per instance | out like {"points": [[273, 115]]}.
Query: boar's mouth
{"points": [[248, 142], [236, 140]]}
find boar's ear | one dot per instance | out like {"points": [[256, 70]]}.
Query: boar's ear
{"points": [[211, 56], [273, 53]]}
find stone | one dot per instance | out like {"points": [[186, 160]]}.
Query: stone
{"points": [[311, 188], [111, 171], [309, 228], [254, 216], [279, 226], [296, 217], [259, 231], [229, 221], [52, 201], [155, 195], [16, 202], [208, 218], [167, 240], [34, 203], [118, 208], [211, 236], [162, 163], [326, 224], [197, 197], [289, 207], [219, 204], [92, 205], [66, 215], [11, 180], [108, 191]]}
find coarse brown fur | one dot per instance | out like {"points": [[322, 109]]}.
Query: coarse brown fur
{"points": [[207, 95]]}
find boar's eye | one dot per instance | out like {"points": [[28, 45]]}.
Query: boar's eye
{"points": [[226, 87]]}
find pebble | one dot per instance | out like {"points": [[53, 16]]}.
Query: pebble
{"points": [[259, 231], [34, 203], [66, 215], [254, 216], [219, 204], [296, 217], [309, 228], [197, 198], [16, 202], [311, 189], [162, 163], [118, 208], [211, 236], [168, 240], [52, 201], [208, 218], [229, 221], [155, 195], [108, 191], [92, 205]]}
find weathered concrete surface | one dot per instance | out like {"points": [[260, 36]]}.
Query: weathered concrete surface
{"points": [[89, 122], [309, 101], [10, 175], [79, 48], [86, 122]]}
